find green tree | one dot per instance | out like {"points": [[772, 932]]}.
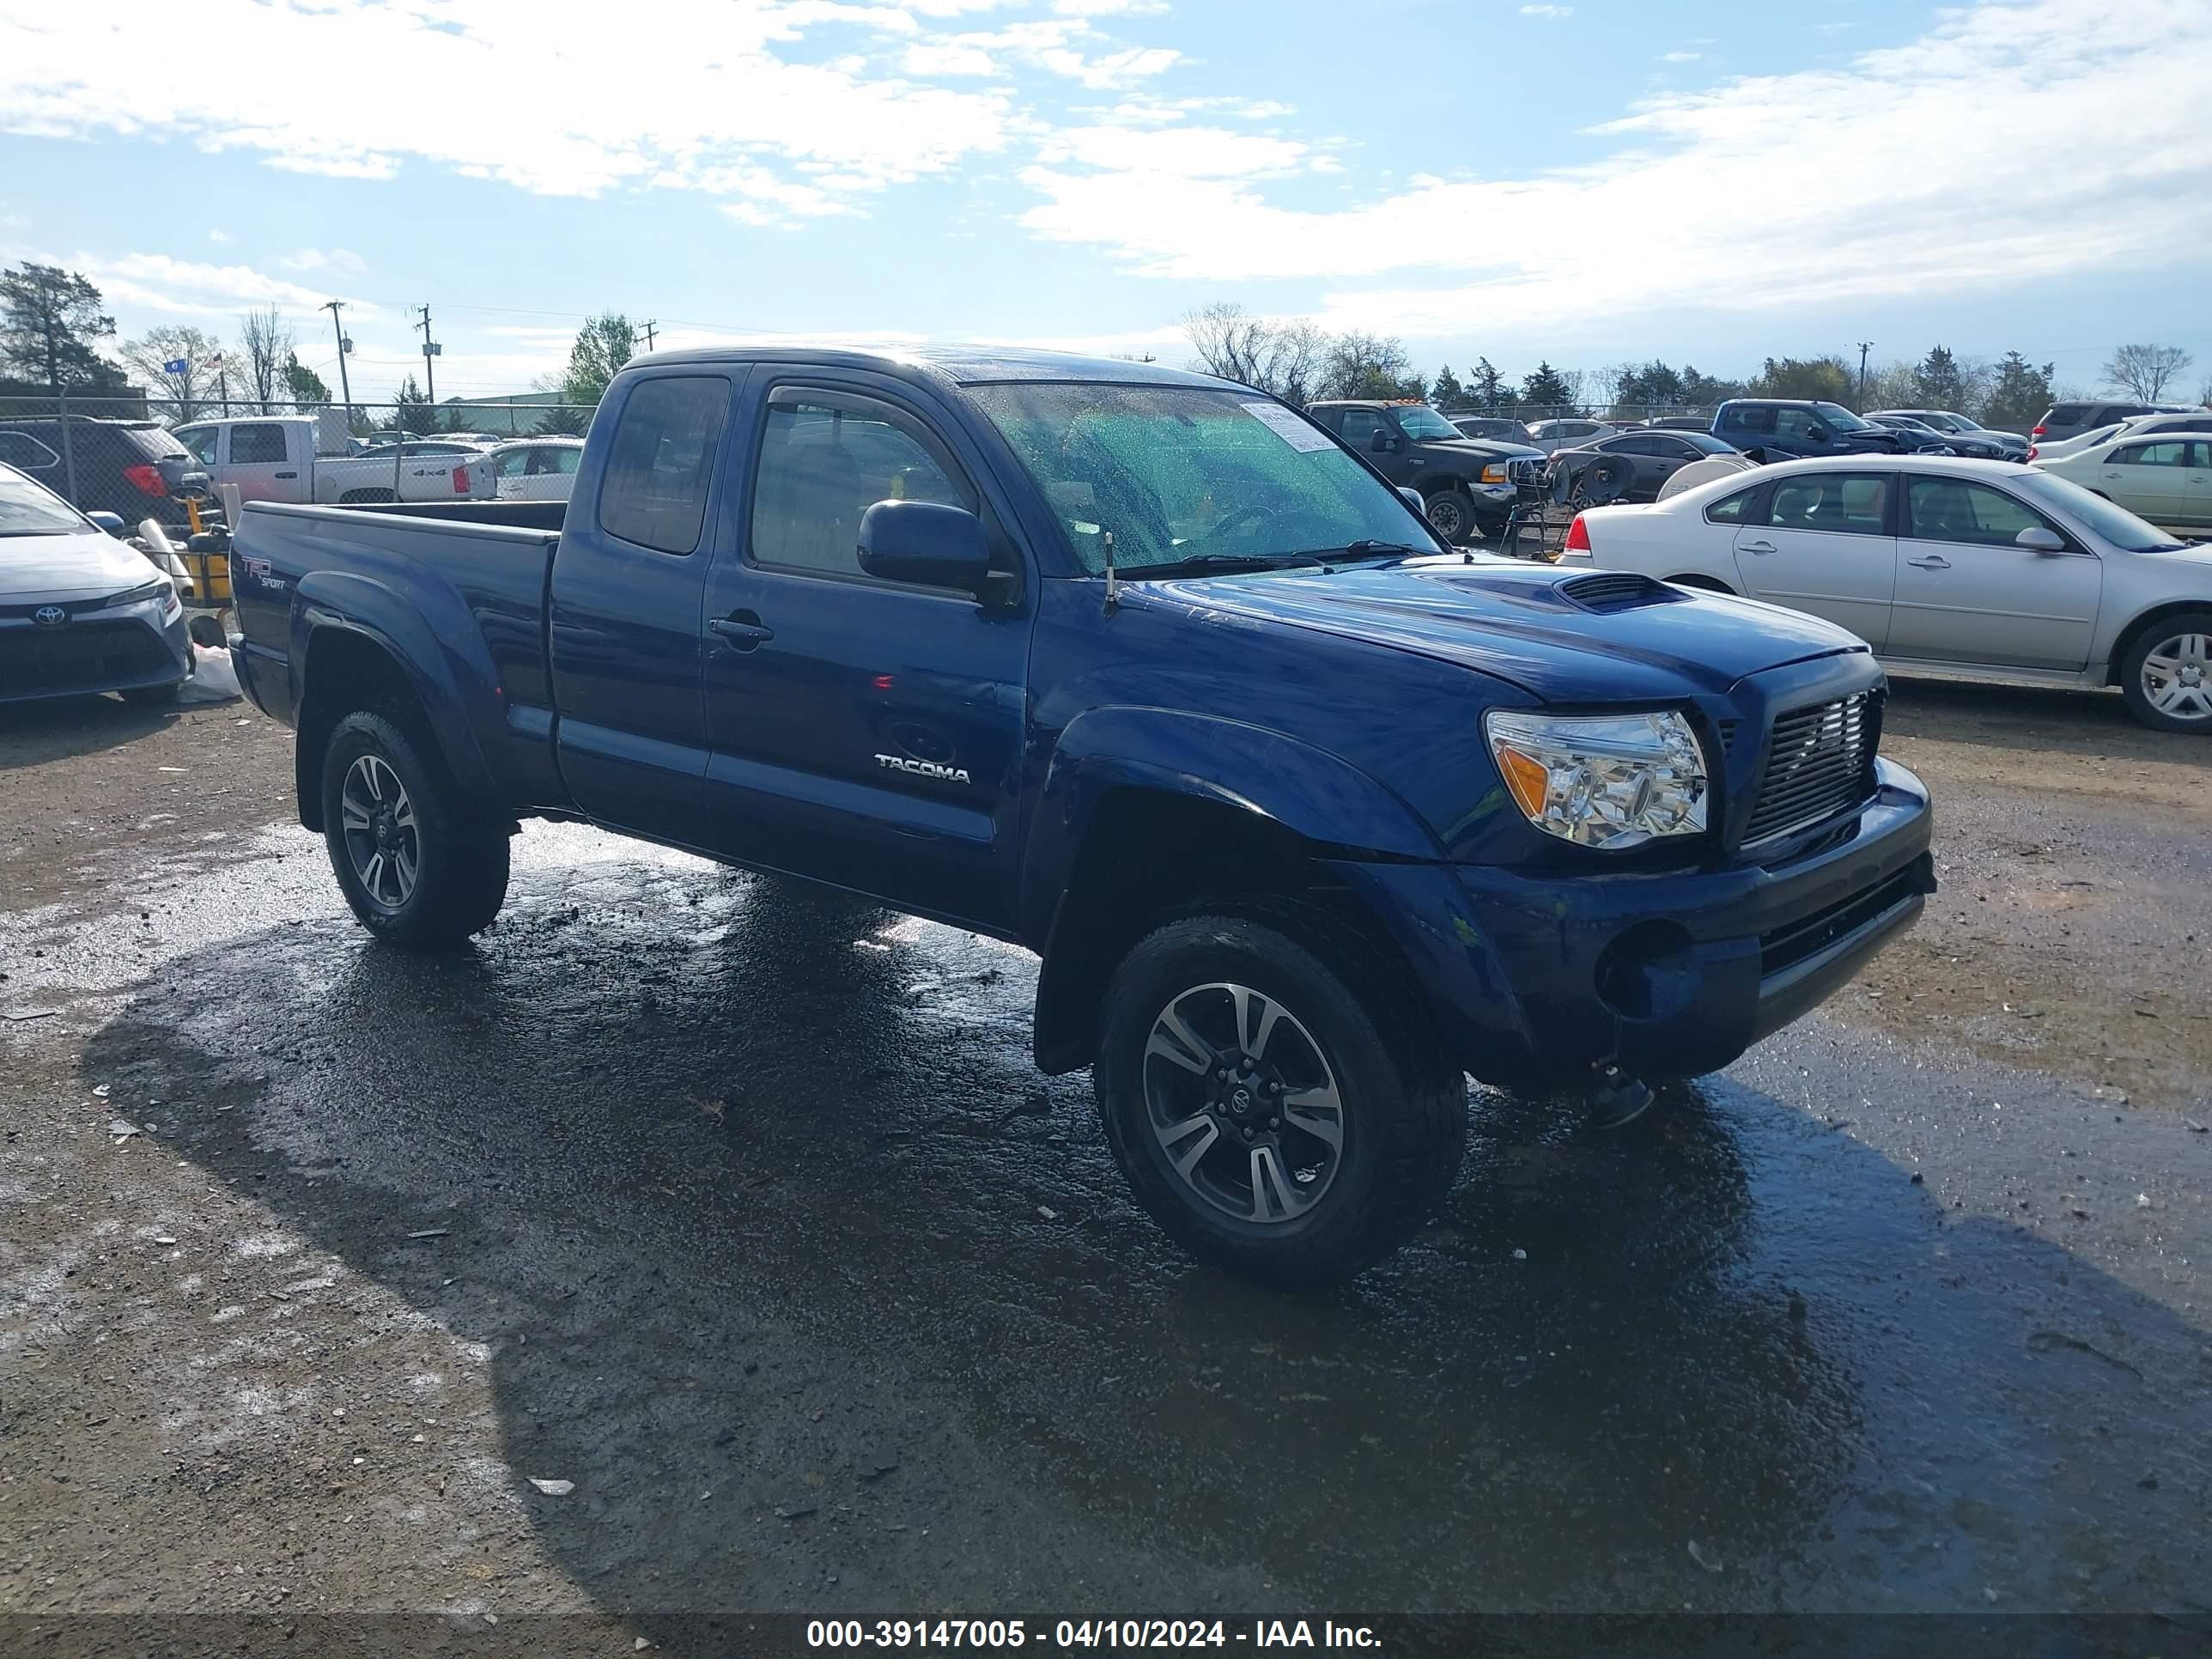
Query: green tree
{"points": [[1647, 385], [2019, 393], [303, 383], [49, 318], [1445, 392], [1938, 381], [1704, 391], [603, 345], [413, 412], [1545, 388], [190, 388], [1488, 388], [1830, 378], [1355, 365]]}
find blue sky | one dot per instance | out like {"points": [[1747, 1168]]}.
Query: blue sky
{"points": [[1587, 182]]}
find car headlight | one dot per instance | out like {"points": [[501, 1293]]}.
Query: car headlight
{"points": [[1609, 781], [1494, 473]]}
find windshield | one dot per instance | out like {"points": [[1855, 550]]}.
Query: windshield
{"points": [[29, 509], [1842, 419], [1183, 474], [2110, 520], [1419, 420]]}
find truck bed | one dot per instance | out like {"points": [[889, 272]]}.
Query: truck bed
{"points": [[463, 600]]}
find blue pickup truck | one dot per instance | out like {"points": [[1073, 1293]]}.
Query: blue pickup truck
{"points": [[1307, 815]]}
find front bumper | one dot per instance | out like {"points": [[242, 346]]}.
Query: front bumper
{"points": [[1534, 982], [113, 648]]}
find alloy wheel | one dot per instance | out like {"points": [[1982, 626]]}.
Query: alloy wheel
{"points": [[382, 840], [2177, 677], [1243, 1102]]}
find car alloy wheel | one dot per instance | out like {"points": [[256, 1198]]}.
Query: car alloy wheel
{"points": [[2177, 677], [1243, 1102], [382, 840]]}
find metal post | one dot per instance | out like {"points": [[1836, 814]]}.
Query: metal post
{"points": [[68, 449], [1865, 346], [345, 387], [430, 364]]}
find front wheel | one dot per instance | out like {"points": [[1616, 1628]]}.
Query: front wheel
{"points": [[419, 862], [2167, 674], [1451, 515], [1259, 1114]]}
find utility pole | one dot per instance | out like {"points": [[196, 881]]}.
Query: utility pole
{"points": [[430, 349], [345, 387], [648, 328], [1865, 346]]}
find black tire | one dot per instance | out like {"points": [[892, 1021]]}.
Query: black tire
{"points": [[460, 863], [2195, 714], [159, 696], [1400, 1116], [1451, 515]]}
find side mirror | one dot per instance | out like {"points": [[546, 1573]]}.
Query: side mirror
{"points": [[925, 543], [2040, 538], [1413, 500], [1381, 444], [109, 522], [1818, 434]]}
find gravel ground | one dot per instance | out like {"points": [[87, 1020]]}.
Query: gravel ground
{"points": [[740, 1210]]}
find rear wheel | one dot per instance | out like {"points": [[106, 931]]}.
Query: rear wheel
{"points": [[1257, 1111], [419, 863], [2167, 674]]}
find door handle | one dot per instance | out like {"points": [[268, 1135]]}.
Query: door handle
{"points": [[1758, 547], [2111, 475], [742, 630], [288, 474], [1933, 562]]}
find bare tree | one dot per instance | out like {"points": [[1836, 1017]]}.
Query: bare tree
{"points": [[268, 343], [2144, 370], [191, 382], [1283, 358]]}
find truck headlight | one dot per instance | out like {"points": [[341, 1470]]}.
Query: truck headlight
{"points": [[1609, 781], [1494, 473]]}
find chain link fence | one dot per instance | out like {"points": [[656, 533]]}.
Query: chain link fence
{"points": [[136, 456]]}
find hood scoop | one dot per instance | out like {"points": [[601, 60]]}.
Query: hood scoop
{"points": [[1608, 590]]}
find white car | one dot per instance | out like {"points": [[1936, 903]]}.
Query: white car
{"points": [[294, 457], [1986, 569], [2142, 426], [1571, 433], [535, 468], [2167, 479]]}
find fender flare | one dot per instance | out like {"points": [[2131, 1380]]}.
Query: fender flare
{"points": [[1315, 795], [434, 642]]}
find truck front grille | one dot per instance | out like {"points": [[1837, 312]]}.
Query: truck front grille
{"points": [[1820, 762]]}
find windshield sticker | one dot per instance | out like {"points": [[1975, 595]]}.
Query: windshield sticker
{"points": [[1299, 434]]}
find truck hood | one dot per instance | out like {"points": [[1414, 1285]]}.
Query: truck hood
{"points": [[1523, 623], [85, 565], [1481, 449]]}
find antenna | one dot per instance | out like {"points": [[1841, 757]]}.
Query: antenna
{"points": [[1113, 587]]}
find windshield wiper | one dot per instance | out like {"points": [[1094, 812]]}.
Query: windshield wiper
{"points": [[1214, 562]]}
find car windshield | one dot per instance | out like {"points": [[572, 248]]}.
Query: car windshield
{"points": [[1842, 419], [2110, 520], [29, 509], [1419, 420], [1192, 476]]}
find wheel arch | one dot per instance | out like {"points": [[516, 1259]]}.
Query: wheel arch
{"points": [[1704, 583], [344, 668], [2130, 636]]}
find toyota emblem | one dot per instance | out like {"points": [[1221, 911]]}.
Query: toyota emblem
{"points": [[50, 615]]}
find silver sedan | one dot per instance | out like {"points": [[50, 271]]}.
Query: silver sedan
{"points": [[1981, 569], [80, 612]]}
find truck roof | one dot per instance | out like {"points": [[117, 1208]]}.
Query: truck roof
{"points": [[963, 365]]}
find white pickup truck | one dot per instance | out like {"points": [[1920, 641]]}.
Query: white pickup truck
{"points": [[299, 458]]}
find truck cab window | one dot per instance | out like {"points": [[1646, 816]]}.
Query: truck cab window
{"points": [[251, 445], [662, 457], [823, 465]]}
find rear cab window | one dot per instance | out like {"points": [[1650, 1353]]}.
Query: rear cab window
{"points": [[660, 461]]}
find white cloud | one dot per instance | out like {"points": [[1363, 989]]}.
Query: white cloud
{"points": [[1679, 56], [216, 235], [158, 282], [544, 94], [345, 261], [1061, 46], [1912, 173], [1548, 11]]}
